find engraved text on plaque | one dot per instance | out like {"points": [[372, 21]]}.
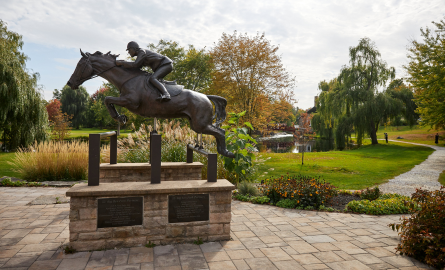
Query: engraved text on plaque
{"points": [[188, 208], [116, 212]]}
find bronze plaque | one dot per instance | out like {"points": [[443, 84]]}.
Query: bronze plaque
{"points": [[188, 208], [117, 212]]}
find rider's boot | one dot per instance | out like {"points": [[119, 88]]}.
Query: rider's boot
{"points": [[165, 95]]}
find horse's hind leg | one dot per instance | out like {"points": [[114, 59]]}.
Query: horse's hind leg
{"points": [[220, 139]]}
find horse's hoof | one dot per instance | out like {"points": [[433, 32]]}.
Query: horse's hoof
{"points": [[123, 119], [228, 154]]}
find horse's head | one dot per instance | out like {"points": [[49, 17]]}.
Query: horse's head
{"points": [[91, 65]]}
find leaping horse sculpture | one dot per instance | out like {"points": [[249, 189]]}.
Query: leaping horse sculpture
{"points": [[139, 97]]}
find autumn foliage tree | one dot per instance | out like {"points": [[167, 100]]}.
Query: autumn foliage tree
{"points": [[249, 73], [53, 108], [60, 125]]}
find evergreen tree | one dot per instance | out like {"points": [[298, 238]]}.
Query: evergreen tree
{"points": [[23, 116]]}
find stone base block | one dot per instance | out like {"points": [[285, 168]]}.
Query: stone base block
{"points": [[141, 172], [155, 228]]}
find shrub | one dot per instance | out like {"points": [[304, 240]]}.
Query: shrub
{"points": [[246, 188], [370, 194], [423, 233], [287, 203], [53, 161], [8, 183], [260, 199], [386, 204], [252, 199], [240, 143], [306, 191]]}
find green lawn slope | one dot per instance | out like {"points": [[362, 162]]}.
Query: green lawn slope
{"points": [[355, 169]]}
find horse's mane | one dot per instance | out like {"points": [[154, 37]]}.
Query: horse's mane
{"points": [[108, 55]]}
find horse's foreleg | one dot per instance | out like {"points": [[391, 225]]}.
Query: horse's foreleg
{"points": [[110, 102]]}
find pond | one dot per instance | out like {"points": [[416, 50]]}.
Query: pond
{"points": [[288, 143]]}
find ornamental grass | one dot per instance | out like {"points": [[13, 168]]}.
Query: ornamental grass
{"points": [[305, 191], [53, 161], [136, 147]]}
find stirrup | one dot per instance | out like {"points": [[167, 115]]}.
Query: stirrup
{"points": [[164, 98]]}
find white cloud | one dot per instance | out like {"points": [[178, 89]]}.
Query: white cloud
{"points": [[314, 36]]}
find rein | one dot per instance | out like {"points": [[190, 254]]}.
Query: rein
{"points": [[94, 75]]}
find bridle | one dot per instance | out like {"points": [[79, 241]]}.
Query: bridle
{"points": [[88, 62]]}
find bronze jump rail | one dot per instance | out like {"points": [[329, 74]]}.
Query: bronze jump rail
{"points": [[212, 161], [94, 154]]}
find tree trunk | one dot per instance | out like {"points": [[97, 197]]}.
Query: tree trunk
{"points": [[373, 134]]}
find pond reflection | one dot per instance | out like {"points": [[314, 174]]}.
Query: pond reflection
{"points": [[288, 143]]}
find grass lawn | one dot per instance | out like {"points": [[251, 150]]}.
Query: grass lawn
{"points": [[355, 169], [417, 134], [442, 178], [5, 168], [84, 132]]}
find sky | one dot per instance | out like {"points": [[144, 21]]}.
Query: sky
{"points": [[313, 36]]}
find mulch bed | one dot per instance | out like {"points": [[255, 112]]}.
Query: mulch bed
{"points": [[340, 202]]}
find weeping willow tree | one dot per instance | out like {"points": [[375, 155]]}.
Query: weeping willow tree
{"points": [[358, 100], [23, 116]]}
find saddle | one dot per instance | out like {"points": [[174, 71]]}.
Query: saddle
{"points": [[172, 87]]}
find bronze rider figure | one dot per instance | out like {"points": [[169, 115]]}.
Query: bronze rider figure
{"points": [[160, 64]]}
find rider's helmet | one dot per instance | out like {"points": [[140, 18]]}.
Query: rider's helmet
{"points": [[132, 44]]}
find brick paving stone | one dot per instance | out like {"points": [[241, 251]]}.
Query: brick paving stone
{"points": [[100, 262], [348, 265], [241, 265], [367, 258], [121, 259], [306, 259], [257, 253], [244, 234], [270, 239], [9, 241], [45, 265], [232, 245], [252, 242], [73, 264], [288, 265], [20, 262], [216, 256], [127, 267], [32, 239], [276, 254], [142, 257], [318, 239], [302, 247], [17, 233], [328, 256], [348, 247], [398, 261], [222, 265], [317, 266], [260, 264], [166, 261], [193, 261], [239, 254], [211, 247], [379, 252]]}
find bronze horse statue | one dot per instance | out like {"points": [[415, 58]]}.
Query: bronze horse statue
{"points": [[139, 97]]}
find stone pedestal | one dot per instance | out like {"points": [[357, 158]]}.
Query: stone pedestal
{"points": [[155, 227], [140, 172]]}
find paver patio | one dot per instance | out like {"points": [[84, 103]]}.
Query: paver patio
{"points": [[264, 237]]}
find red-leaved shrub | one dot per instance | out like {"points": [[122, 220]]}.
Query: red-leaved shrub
{"points": [[423, 233]]}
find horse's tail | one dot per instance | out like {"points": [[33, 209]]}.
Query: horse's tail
{"points": [[220, 109]]}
